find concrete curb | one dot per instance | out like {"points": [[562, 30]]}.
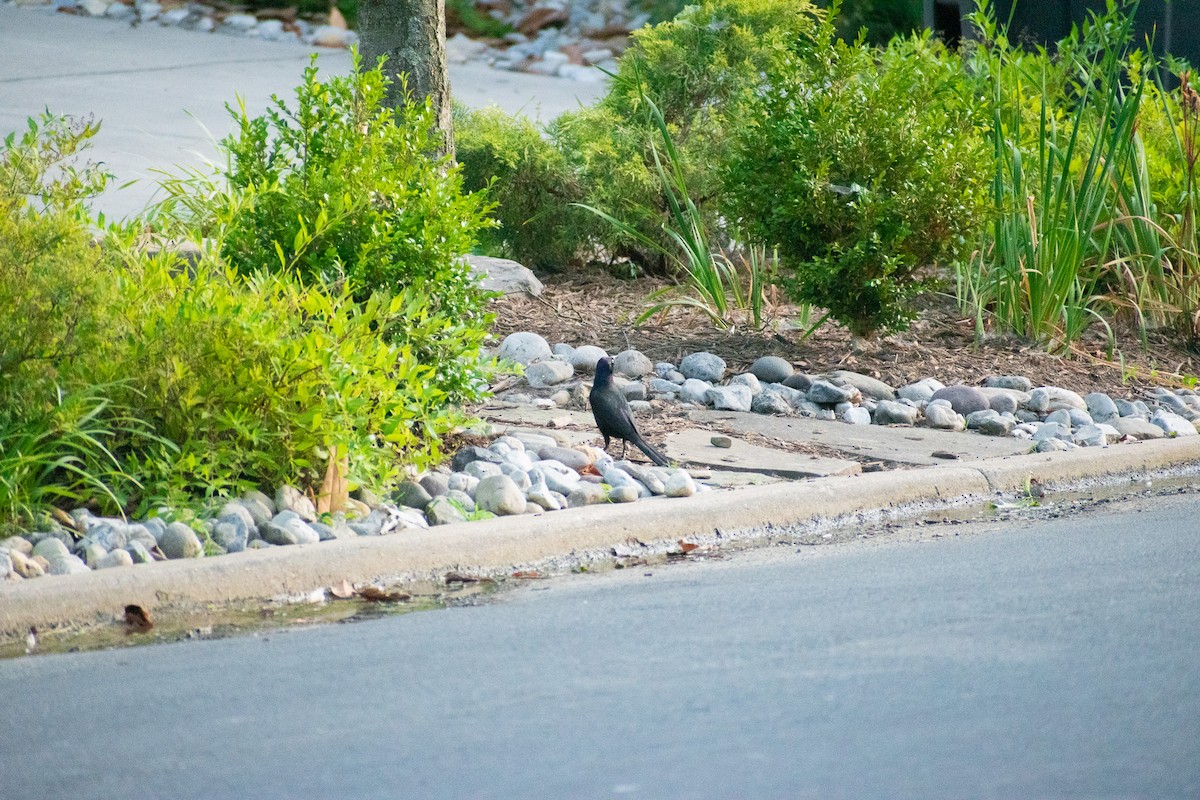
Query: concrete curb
{"points": [[501, 545]]}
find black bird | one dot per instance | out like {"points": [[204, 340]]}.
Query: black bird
{"points": [[613, 416]]}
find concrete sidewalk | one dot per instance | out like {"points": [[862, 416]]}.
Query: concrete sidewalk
{"points": [[161, 92]]}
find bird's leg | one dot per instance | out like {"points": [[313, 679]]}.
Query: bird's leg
{"points": [[624, 447]]}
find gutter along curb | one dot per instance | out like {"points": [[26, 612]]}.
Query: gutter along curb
{"points": [[498, 546]]}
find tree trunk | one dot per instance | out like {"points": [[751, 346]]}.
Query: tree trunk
{"points": [[412, 34]]}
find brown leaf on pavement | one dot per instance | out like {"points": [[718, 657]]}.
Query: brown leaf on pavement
{"points": [[137, 619], [376, 595], [342, 590]]}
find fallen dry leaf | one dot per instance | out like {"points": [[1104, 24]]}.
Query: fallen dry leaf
{"points": [[342, 590], [137, 619], [374, 594], [528, 575], [687, 547]]}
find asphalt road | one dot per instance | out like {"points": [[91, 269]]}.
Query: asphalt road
{"points": [[1044, 660]]}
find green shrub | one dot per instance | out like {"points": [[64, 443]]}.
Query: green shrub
{"points": [[699, 69], [54, 286], [343, 188], [254, 380], [530, 184], [864, 167]]}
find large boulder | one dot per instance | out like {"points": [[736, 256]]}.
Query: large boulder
{"points": [[503, 275]]}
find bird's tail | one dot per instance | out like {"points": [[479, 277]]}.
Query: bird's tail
{"points": [[652, 453]]}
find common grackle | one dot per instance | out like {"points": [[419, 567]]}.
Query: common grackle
{"points": [[613, 416]]}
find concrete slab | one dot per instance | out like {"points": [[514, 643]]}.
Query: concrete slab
{"points": [[161, 92], [909, 446], [694, 447]]}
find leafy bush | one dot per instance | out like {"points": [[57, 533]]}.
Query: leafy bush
{"points": [[698, 69], [256, 379], [531, 185], [864, 167], [343, 188]]}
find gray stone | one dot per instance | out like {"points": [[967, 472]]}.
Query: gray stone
{"points": [[6, 565], [703, 367], [90, 552], [798, 381], [563, 349], [17, 544], [462, 482], [1052, 430], [770, 402], [614, 476], [461, 498], [232, 533], [729, 398], [825, 393], [435, 483], [66, 565], [963, 399], [920, 391], [1060, 417], [856, 415], [586, 494], [1079, 418], [288, 527], [1173, 424], [1051, 398], [500, 495], [519, 476], [663, 368], [748, 380], [442, 510], [585, 358], [238, 509], [1137, 428], [481, 469], [990, 423], [503, 275], [1128, 409], [1101, 407], [569, 456], [289, 498], [139, 553], [771, 369], [890, 412], [111, 534], [411, 494], [676, 377], [680, 484], [524, 348], [1053, 445], [1017, 382], [643, 475], [94, 8], [261, 507], [340, 529], [942, 416], [180, 541], [695, 391], [562, 482], [1095, 435], [548, 373], [50, 548], [660, 386], [119, 11], [634, 390], [473, 454], [632, 364], [866, 385], [623, 494], [1004, 401], [238, 23], [117, 558]]}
